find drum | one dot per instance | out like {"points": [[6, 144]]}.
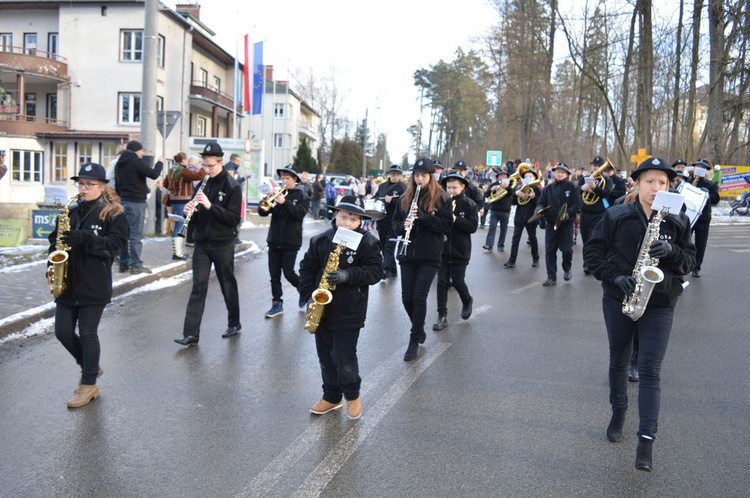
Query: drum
{"points": [[375, 209], [695, 200]]}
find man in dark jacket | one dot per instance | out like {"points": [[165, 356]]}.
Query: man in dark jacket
{"points": [[499, 210], [390, 193], [215, 216], [131, 172], [472, 191], [525, 198], [702, 224], [554, 196], [456, 249], [595, 192], [285, 236]]}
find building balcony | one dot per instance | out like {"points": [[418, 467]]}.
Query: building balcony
{"points": [[22, 125], [308, 132], [34, 62], [205, 97]]}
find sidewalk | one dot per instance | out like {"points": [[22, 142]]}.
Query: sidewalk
{"points": [[26, 296]]}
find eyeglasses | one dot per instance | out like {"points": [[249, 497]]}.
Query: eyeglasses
{"points": [[210, 165], [86, 184]]}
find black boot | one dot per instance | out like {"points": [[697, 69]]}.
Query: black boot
{"points": [[644, 454], [411, 351], [441, 323], [614, 430]]}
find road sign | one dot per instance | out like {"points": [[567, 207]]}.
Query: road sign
{"points": [[494, 158], [171, 117], [248, 145]]}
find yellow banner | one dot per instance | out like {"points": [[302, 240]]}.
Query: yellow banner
{"points": [[734, 181]]}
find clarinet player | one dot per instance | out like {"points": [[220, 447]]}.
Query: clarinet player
{"points": [[611, 254]]}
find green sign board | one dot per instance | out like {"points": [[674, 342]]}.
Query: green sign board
{"points": [[11, 232], [43, 222]]}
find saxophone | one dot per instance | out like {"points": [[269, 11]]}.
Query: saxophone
{"points": [[323, 294], [57, 273], [645, 272]]}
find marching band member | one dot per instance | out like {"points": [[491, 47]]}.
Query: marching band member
{"points": [[98, 232], [390, 191], [338, 332], [591, 214], [472, 191], [499, 211], [284, 236], [425, 218], [611, 255], [456, 249], [619, 186], [521, 219], [558, 193], [703, 223]]}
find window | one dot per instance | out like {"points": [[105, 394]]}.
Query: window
{"points": [[52, 48], [203, 75], [6, 42], [201, 126], [60, 162], [129, 108], [278, 110], [30, 99], [26, 165], [51, 106], [160, 44], [278, 140], [29, 43], [109, 153], [217, 84], [84, 153], [131, 43]]}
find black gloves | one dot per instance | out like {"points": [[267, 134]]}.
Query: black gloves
{"points": [[337, 277], [660, 249], [626, 284], [76, 237]]}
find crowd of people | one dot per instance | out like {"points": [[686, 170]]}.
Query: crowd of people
{"points": [[418, 229]]}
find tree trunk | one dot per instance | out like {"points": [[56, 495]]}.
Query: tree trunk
{"points": [[717, 66], [677, 74], [646, 69], [626, 76], [691, 100]]}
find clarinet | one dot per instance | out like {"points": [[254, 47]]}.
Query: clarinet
{"points": [[405, 240], [183, 231]]}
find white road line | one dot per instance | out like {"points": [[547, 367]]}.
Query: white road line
{"points": [[740, 250], [326, 470], [274, 471], [526, 287]]}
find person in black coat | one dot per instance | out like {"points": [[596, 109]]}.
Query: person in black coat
{"points": [[472, 191], [525, 199], [338, 332], [284, 236], [499, 211], [703, 223], [611, 254], [456, 250], [214, 213], [421, 225], [590, 190], [390, 193], [554, 196], [98, 232]]}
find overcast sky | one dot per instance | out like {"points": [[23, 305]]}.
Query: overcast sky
{"points": [[374, 46]]}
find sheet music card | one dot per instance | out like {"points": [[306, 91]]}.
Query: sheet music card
{"points": [[671, 201], [349, 238]]}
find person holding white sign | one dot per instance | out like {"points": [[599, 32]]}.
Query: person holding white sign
{"points": [[613, 251], [702, 224]]}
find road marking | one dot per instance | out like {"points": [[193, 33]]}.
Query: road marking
{"points": [[526, 287], [274, 471], [326, 470], [740, 250]]}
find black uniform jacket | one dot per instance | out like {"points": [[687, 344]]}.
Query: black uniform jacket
{"points": [[503, 204], [619, 188], [130, 176], [89, 279], [395, 190], [616, 241], [285, 231], [713, 198], [426, 238], [555, 195], [472, 192], [457, 246], [218, 226], [364, 267], [599, 206], [524, 212]]}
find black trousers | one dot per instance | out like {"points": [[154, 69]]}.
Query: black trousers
{"points": [[562, 240], [653, 330], [700, 229], [456, 273], [416, 279], [282, 260], [337, 354], [84, 346], [222, 259], [517, 232], [388, 247], [587, 223]]}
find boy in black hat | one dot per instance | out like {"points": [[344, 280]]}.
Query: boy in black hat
{"points": [[215, 216], [456, 250], [560, 193], [499, 211], [525, 199], [472, 191], [390, 192], [700, 227], [359, 266], [284, 236], [594, 200]]}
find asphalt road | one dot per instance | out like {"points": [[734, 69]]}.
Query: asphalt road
{"points": [[512, 402]]}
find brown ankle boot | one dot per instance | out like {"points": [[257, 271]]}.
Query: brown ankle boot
{"points": [[83, 395]]}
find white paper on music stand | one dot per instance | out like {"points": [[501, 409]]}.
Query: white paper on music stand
{"points": [[176, 217], [349, 238], [672, 202], [55, 195]]}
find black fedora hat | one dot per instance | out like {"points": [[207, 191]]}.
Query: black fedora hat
{"points": [[288, 169], [91, 171], [460, 165], [562, 166], [654, 163], [212, 149], [351, 204], [394, 169], [454, 176]]}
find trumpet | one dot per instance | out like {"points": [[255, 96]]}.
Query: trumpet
{"points": [[268, 202], [590, 198]]}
